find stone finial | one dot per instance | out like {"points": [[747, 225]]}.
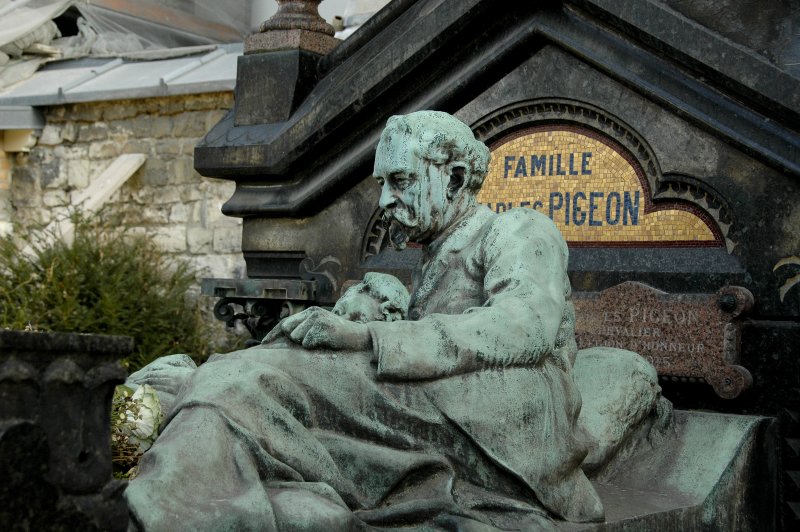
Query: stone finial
{"points": [[297, 15], [296, 26]]}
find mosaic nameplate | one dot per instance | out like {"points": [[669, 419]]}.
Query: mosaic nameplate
{"points": [[591, 187], [682, 335]]}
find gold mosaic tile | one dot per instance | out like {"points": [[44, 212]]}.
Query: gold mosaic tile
{"points": [[591, 191]]}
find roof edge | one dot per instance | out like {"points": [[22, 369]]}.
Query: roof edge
{"points": [[20, 117]]}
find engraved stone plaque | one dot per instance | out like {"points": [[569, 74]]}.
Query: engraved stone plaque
{"points": [[682, 335]]}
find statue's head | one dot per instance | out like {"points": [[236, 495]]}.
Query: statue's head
{"points": [[379, 297], [430, 167]]}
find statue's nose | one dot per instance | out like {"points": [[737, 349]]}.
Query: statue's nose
{"points": [[387, 200]]}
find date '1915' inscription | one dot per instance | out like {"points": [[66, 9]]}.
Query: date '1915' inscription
{"points": [[682, 335]]}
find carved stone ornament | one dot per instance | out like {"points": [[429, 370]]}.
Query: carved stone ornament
{"points": [[55, 452], [297, 15], [688, 336], [296, 25]]}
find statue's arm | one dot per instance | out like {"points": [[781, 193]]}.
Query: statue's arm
{"points": [[524, 258]]}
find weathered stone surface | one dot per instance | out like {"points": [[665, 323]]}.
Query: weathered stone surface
{"points": [[157, 215], [25, 493], [103, 150], [715, 472], [71, 152], [92, 132], [214, 101], [55, 454], [189, 124], [171, 239], [170, 147], [179, 213], [138, 146], [215, 265], [53, 176], [296, 25], [120, 111], [77, 173], [193, 192], [157, 195], [55, 198], [83, 112], [286, 76], [51, 135], [290, 40], [199, 239], [181, 170], [154, 173], [228, 239], [69, 132]]}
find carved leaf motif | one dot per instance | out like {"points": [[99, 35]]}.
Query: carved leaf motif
{"points": [[327, 265], [787, 260], [788, 285], [792, 281]]}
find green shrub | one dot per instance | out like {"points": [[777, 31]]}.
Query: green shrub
{"points": [[107, 281]]}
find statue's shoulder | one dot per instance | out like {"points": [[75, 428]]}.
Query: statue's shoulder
{"points": [[528, 221], [520, 228]]}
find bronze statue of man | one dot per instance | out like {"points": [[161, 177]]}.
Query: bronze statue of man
{"points": [[463, 414]]}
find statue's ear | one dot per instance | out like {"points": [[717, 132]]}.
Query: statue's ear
{"points": [[457, 172], [391, 312]]}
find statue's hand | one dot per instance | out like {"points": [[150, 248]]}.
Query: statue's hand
{"points": [[275, 333], [165, 374], [316, 328]]}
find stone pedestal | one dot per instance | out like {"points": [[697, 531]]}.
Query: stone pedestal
{"points": [[55, 450], [270, 86], [713, 472], [279, 66]]}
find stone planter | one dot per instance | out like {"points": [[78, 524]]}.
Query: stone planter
{"points": [[55, 403]]}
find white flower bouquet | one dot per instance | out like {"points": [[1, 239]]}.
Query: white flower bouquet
{"points": [[135, 418]]}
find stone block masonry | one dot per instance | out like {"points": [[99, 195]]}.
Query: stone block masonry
{"points": [[165, 199]]}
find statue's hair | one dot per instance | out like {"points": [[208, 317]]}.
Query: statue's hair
{"points": [[441, 139], [384, 287]]}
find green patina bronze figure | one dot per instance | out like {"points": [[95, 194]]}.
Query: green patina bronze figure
{"points": [[463, 414]]}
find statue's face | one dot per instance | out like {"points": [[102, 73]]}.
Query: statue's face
{"points": [[413, 191], [358, 305]]}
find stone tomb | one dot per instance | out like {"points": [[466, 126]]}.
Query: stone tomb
{"points": [[690, 187]]}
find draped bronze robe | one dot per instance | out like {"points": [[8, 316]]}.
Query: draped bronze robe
{"points": [[467, 419]]}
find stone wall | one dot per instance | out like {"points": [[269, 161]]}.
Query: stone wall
{"points": [[5, 186], [165, 198]]}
